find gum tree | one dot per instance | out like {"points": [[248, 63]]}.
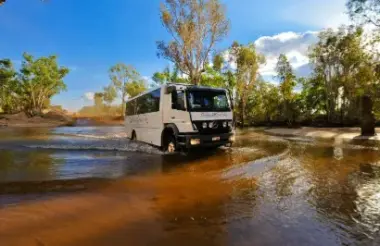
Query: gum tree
{"points": [[40, 79], [195, 26], [126, 81]]}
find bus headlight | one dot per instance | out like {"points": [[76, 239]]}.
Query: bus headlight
{"points": [[210, 125], [224, 124], [195, 141], [204, 125]]}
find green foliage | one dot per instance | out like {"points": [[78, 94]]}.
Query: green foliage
{"points": [[213, 78], [135, 88], [98, 99], [343, 71], [248, 62], [263, 103], [287, 80], [126, 81], [8, 85], [31, 89], [109, 94], [168, 76], [40, 79]]}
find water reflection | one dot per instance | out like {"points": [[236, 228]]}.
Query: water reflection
{"points": [[19, 165], [263, 191]]}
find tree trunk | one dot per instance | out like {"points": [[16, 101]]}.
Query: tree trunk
{"points": [[242, 109], [368, 119], [194, 79], [123, 105]]}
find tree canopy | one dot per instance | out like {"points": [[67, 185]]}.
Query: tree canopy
{"points": [[126, 81], [195, 26], [168, 76], [365, 11], [38, 80], [287, 80]]}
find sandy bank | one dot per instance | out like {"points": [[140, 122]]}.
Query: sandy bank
{"points": [[324, 133], [51, 119]]}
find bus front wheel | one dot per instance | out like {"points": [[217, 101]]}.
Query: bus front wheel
{"points": [[171, 145]]}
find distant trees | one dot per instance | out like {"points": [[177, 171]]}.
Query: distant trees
{"points": [[109, 94], [287, 80], [33, 86], [40, 79], [248, 62], [239, 79], [195, 26], [8, 86], [346, 71], [126, 81], [98, 100]]}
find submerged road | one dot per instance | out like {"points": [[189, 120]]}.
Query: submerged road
{"points": [[91, 186]]}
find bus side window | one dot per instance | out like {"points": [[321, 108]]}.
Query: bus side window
{"points": [[178, 100]]}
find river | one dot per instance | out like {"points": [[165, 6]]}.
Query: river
{"points": [[92, 186]]}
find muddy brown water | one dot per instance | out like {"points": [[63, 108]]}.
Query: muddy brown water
{"points": [[91, 186]]}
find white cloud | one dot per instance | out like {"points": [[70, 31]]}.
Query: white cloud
{"points": [[89, 96], [285, 42], [148, 80], [294, 45], [316, 13]]}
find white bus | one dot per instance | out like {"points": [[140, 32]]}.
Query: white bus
{"points": [[180, 116]]}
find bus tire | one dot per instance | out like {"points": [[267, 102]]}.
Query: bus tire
{"points": [[133, 136], [171, 145]]}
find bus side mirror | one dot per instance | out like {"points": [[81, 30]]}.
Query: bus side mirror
{"points": [[169, 89], [174, 99]]}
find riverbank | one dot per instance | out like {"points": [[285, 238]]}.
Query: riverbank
{"points": [[99, 121], [56, 120], [347, 133], [50, 119]]}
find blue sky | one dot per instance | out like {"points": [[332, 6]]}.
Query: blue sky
{"points": [[90, 36]]}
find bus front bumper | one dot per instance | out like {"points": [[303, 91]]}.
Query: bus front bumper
{"points": [[195, 141]]}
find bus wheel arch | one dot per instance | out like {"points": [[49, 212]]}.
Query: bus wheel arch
{"points": [[169, 138]]}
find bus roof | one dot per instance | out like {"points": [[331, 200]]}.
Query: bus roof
{"points": [[193, 87]]}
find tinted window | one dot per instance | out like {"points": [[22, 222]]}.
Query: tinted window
{"points": [[130, 108], [178, 100], [142, 105], [147, 103], [156, 96], [207, 100]]}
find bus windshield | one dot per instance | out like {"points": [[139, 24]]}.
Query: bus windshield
{"points": [[208, 101]]}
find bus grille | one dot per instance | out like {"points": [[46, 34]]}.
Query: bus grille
{"points": [[216, 129]]}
